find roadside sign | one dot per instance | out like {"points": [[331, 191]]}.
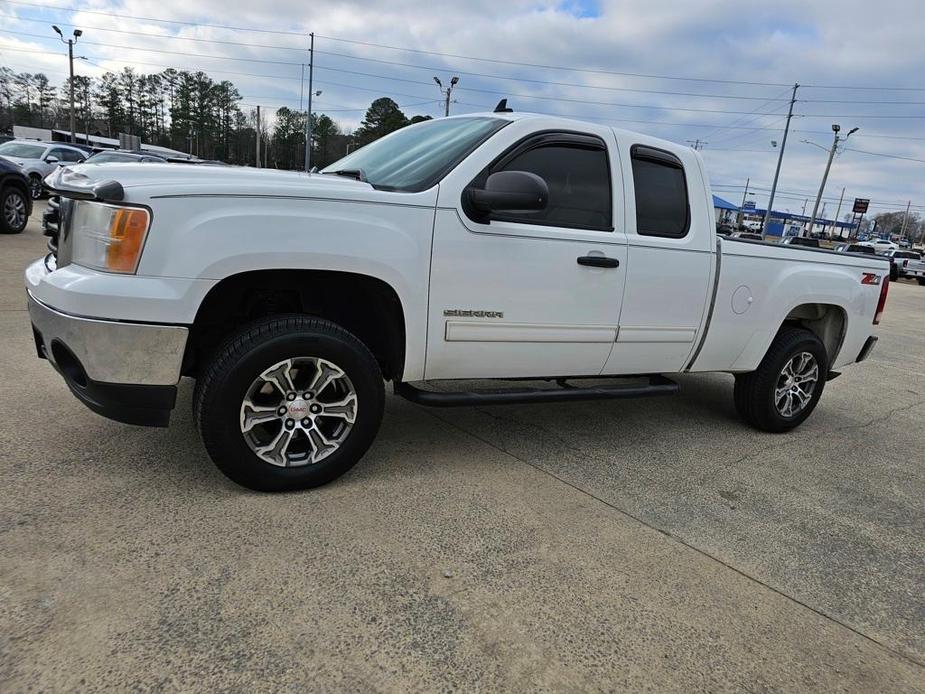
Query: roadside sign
{"points": [[860, 205], [749, 205]]}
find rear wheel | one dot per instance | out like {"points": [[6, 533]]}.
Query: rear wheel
{"points": [[921, 280], [289, 402], [13, 210], [785, 388]]}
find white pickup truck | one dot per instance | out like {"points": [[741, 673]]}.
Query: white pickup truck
{"points": [[489, 246]]}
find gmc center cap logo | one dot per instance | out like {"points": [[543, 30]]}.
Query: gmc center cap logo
{"points": [[298, 408]]}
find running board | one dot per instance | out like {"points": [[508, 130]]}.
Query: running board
{"points": [[657, 385]]}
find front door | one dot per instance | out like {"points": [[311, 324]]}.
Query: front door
{"points": [[524, 294]]}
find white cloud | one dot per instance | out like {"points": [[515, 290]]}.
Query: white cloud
{"points": [[849, 42]]}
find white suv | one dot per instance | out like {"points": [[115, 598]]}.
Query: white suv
{"points": [[38, 159]]}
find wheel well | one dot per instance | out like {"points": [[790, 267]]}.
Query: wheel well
{"points": [[827, 321], [366, 306]]}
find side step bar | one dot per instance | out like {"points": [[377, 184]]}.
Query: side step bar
{"points": [[657, 385]]}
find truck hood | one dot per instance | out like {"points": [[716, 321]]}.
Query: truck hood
{"points": [[145, 180]]}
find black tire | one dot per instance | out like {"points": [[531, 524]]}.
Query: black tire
{"points": [[10, 195], [36, 189], [225, 380], [754, 392], [921, 281]]}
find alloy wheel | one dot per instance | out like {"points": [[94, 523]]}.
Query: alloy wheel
{"points": [[298, 412], [796, 384], [14, 211]]}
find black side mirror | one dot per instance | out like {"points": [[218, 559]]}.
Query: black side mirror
{"points": [[509, 191]]}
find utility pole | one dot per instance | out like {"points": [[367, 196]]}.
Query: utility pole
{"points": [[70, 57], [835, 128], [258, 136], [780, 160], [308, 116], [446, 92], [741, 215], [838, 211], [902, 231], [697, 144]]}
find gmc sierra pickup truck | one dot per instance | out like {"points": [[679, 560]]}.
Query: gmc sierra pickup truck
{"points": [[489, 246]]}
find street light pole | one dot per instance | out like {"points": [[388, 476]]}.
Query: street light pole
{"points": [[835, 128], [838, 210], [308, 116], [446, 92], [70, 58], [780, 160], [902, 231]]}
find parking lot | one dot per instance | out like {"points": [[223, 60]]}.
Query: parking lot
{"points": [[612, 545]]}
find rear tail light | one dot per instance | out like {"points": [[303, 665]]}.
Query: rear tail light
{"points": [[881, 302], [906, 263]]}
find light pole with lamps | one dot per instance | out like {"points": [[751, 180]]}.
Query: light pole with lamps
{"points": [[446, 92], [835, 128], [70, 57]]}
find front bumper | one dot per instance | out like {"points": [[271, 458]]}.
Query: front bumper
{"points": [[125, 371]]}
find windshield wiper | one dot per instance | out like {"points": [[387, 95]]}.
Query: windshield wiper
{"points": [[358, 174]]}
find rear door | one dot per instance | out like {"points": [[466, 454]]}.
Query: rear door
{"points": [[671, 250], [513, 297]]}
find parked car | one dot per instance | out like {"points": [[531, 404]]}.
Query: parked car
{"points": [[855, 248], [484, 246], [124, 156], [38, 159], [747, 235], [15, 201], [880, 245], [724, 228], [801, 241], [907, 264]]}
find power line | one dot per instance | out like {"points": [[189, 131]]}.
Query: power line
{"points": [[304, 34], [881, 154], [413, 66], [486, 91]]}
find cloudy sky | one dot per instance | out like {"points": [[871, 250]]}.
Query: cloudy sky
{"points": [[720, 71]]}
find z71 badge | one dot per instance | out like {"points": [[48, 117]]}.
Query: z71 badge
{"points": [[467, 313]]}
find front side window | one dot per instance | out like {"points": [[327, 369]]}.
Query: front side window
{"points": [[71, 155], [417, 156], [577, 172], [662, 207]]}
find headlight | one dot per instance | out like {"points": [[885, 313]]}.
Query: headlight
{"points": [[108, 237]]}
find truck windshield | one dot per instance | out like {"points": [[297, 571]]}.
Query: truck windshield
{"points": [[417, 156]]}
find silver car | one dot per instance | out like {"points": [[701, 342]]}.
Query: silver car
{"points": [[38, 159]]}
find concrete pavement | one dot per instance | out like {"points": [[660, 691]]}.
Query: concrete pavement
{"points": [[625, 545]]}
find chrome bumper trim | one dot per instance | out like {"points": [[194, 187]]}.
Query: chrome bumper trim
{"points": [[110, 351]]}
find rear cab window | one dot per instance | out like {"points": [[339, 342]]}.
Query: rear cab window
{"points": [[662, 203]]}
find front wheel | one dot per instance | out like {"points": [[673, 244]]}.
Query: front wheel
{"points": [[289, 402], [785, 388]]}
